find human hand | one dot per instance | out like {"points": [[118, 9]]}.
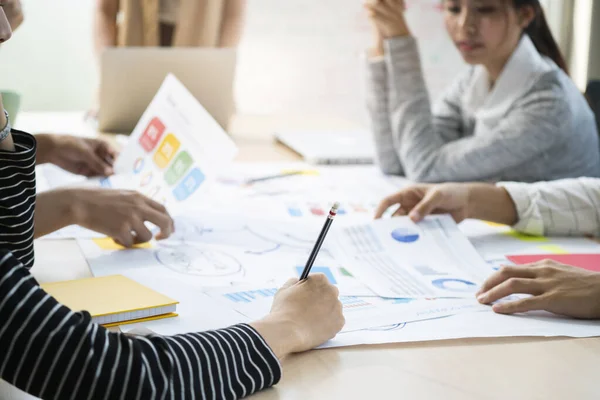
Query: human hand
{"points": [[418, 201], [304, 315], [119, 214], [82, 156], [388, 17], [555, 287]]}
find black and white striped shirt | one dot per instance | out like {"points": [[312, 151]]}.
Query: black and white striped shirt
{"points": [[52, 352]]}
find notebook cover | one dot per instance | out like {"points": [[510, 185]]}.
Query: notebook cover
{"points": [[106, 295]]}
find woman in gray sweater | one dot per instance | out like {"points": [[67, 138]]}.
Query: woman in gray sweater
{"points": [[514, 115]]}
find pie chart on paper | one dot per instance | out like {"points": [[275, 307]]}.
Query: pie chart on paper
{"points": [[405, 235], [454, 285]]}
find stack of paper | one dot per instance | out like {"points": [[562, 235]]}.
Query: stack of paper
{"points": [[399, 281]]}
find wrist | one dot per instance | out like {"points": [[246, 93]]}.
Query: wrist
{"points": [[401, 30], [280, 333], [62, 202], [76, 212], [490, 203], [46, 146]]}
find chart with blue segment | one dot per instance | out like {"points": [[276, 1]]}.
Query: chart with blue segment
{"points": [[405, 235], [454, 285], [251, 295]]}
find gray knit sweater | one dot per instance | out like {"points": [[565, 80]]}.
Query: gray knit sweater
{"points": [[534, 125]]}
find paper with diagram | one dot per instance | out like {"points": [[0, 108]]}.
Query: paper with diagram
{"points": [[395, 257], [225, 269], [211, 249], [360, 312], [307, 192], [175, 148], [485, 324]]}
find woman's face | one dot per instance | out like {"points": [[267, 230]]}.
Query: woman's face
{"points": [[485, 30], [5, 31]]}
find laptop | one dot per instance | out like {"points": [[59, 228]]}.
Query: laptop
{"points": [[130, 77], [330, 147]]}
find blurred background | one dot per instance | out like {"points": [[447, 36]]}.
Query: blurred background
{"points": [[296, 56]]}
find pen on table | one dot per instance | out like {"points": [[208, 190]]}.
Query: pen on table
{"points": [[268, 178], [313, 254]]}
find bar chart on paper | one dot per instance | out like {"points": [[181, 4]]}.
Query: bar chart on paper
{"points": [[360, 312], [250, 296]]}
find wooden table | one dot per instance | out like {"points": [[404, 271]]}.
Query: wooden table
{"points": [[520, 368]]}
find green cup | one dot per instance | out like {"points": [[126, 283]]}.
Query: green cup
{"points": [[12, 102]]}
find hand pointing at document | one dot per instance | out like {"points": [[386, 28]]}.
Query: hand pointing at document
{"points": [[460, 200]]}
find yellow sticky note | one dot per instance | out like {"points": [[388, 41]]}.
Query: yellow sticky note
{"points": [[524, 237], [554, 249], [109, 244], [166, 151], [494, 224], [311, 172]]}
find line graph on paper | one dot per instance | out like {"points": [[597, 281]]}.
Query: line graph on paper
{"points": [[254, 237], [195, 261]]}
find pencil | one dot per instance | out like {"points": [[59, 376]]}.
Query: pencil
{"points": [[315, 251], [268, 178]]}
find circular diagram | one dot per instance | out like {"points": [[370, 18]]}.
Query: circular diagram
{"points": [[146, 179], [192, 261], [454, 285], [138, 165], [405, 235]]}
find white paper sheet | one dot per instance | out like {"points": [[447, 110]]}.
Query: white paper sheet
{"points": [[224, 250], [304, 196], [398, 258], [494, 241], [470, 325], [196, 311], [359, 312], [174, 147]]}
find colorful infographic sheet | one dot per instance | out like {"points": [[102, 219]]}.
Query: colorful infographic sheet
{"points": [[174, 147], [174, 151]]}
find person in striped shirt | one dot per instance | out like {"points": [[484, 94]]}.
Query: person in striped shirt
{"points": [[52, 352], [565, 207]]}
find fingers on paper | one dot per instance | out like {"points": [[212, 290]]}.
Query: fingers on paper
{"points": [[141, 232], [158, 215], [427, 205], [104, 149], [511, 286], [521, 306], [97, 164], [505, 273], [388, 202]]}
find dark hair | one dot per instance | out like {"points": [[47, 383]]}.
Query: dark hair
{"points": [[540, 34]]}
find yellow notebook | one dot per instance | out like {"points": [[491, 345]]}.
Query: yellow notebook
{"points": [[112, 300]]}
